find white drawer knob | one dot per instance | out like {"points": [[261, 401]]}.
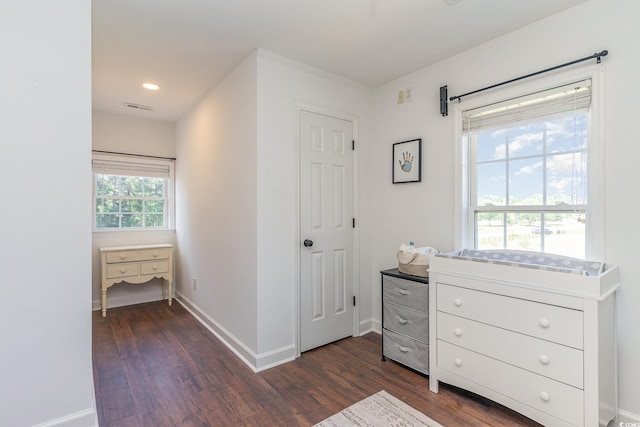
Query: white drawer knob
{"points": [[458, 362], [544, 322], [545, 396], [122, 256], [155, 267], [458, 332], [457, 302], [123, 270], [544, 359], [402, 321], [155, 254]]}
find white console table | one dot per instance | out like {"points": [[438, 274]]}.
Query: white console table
{"points": [[136, 264]]}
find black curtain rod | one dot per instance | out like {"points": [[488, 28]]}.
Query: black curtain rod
{"points": [[586, 58], [134, 155]]}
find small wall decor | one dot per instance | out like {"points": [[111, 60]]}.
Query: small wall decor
{"points": [[407, 161]]}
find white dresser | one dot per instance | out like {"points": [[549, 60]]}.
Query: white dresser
{"points": [[136, 264], [541, 342]]}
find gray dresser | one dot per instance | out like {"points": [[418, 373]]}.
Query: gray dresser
{"points": [[405, 319]]}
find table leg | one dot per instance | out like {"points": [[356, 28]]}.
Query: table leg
{"points": [[103, 302], [170, 284]]}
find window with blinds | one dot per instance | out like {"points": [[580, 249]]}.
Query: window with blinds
{"points": [[132, 193], [528, 171]]}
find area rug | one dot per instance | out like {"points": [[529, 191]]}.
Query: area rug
{"points": [[379, 410]]}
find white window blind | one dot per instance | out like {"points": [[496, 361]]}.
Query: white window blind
{"points": [[572, 97], [132, 168]]}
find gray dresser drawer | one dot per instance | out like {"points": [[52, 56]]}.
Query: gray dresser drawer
{"points": [[405, 292], [406, 321], [410, 352]]}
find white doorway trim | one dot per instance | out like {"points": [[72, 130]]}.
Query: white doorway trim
{"points": [[298, 108]]}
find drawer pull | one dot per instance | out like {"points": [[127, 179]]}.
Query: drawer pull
{"points": [[545, 396], [458, 332], [544, 359], [402, 291], [123, 256], [403, 349], [123, 270], [155, 267], [155, 254], [458, 362], [401, 320], [544, 322], [457, 302]]}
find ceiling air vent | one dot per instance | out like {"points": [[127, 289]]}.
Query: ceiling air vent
{"points": [[138, 106], [452, 2]]}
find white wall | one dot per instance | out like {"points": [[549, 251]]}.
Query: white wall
{"points": [[45, 321], [131, 135], [282, 83], [236, 201], [216, 185], [427, 214]]}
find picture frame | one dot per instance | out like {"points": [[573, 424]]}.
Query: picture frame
{"points": [[407, 161]]}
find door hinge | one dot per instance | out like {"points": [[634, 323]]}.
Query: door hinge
{"points": [[354, 300], [353, 222], [353, 145]]}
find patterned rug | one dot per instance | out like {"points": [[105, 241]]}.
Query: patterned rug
{"points": [[379, 410]]}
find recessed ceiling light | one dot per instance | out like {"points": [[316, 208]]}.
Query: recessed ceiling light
{"points": [[150, 86]]}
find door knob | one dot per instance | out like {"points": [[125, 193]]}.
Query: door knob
{"points": [[308, 243]]}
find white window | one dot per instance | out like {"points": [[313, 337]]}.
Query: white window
{"points": [[527, 173], [132, 193]]}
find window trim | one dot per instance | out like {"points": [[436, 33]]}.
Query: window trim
{"points": [[595, 228], [123, 158]]}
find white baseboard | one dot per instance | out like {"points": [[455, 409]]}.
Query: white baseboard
{"points": [[85, 418], [257, 362], [369, 325]]}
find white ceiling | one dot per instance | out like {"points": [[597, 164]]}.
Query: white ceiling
{"points": [[188, 46]]}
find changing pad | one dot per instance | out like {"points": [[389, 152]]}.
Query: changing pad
{"points": [[528, 259]]}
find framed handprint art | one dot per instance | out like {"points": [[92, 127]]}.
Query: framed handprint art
{"points": [[407, 161]]}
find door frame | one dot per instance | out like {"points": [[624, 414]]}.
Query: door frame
{"points": [[298, 108]]}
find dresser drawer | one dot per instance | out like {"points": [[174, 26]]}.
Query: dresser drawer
{"points": [[545, 321], [552, 360], [405, 292], [407, 321], [116, 271], [549, 396], [410, 352], [154, 267]]}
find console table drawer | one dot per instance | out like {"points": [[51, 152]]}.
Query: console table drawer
{"points": [[154, 267], [122, 270], [546, 395], [545, 321], [150, 254]]}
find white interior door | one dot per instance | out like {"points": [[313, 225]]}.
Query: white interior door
{"points": [[326, 230]]}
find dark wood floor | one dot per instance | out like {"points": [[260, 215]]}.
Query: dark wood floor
{"points": [[157, 366]]}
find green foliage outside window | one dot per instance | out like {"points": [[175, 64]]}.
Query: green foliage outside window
{"points": [[130, 201]]}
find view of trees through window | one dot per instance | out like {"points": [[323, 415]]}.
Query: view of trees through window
{"points": [[130, 201]]}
